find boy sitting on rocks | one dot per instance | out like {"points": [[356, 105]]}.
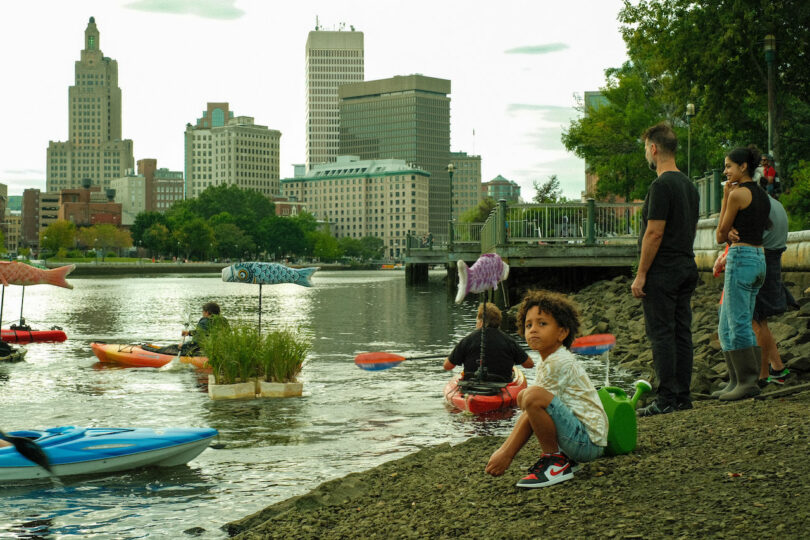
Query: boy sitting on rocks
{"points": [[562, 407]]}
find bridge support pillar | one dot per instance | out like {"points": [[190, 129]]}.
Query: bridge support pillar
{"points": [[416, 274]]}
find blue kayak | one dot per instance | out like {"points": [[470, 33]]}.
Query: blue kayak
{"points": [[75, 450]]}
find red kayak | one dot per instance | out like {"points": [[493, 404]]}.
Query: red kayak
{"points": [[141, 355], [31, 336], [500, 397]]}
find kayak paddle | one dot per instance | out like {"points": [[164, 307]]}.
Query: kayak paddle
{"points": [[29, 450], [377, 361]]}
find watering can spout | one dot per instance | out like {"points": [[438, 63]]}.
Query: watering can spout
{"points": [[642, 387]]}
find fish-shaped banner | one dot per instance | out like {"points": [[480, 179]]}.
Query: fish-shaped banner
{"points": [[262, 273], [482, 276], [17, 273]]}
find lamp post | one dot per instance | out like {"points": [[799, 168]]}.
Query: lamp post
{"points": [[450, 169], [690, 113], [770, 55]]}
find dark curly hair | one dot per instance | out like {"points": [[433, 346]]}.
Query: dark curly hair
{"points": [[559, 306], [211, 307]]}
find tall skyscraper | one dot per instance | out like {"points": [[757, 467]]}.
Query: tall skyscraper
{"points": [[332, 59], [94, 148], [404, 117], [226, 149]]}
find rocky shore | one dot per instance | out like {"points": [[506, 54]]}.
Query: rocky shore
{"points": [[719, 470]]}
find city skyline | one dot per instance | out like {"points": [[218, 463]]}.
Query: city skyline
{"points": [[515, 69]]}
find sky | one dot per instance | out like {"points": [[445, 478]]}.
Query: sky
{"points": [[517, 69]]}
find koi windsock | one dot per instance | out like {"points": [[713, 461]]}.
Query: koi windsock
{"points": [[16, 273]]}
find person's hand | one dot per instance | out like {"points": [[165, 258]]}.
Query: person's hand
{"points": [[719, 265], [637, 288], [733, 236], [498, 463]]}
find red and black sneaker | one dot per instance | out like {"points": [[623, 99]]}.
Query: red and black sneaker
{"points": [[550, 469]]}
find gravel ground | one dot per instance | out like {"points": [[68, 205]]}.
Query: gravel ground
{"points": [[720, 470]]}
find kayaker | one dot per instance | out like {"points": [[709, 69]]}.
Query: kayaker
{"points": [[502, 352], [562, 407], [210, 316]]}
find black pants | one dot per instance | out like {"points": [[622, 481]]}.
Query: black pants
{"points": [[668, 319]]}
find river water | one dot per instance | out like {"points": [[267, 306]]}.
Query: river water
{"points": [[347, 421]]}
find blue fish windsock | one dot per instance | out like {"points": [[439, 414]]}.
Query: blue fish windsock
{"points": [[267, 274], [484, 275]]}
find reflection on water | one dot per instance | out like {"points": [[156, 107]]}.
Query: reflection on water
{"points": [[267, 450]]}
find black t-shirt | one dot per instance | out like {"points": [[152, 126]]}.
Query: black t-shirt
{"points": [[501, 353], [673, 198]]}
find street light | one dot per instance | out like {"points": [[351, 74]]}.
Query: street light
{"points": [[450, 169], [770, 55], [690, 113]]}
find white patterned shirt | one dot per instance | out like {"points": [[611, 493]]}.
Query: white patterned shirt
{"points": [[563, 376]]}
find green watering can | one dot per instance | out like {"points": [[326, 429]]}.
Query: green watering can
{"points": [[621, 413]]}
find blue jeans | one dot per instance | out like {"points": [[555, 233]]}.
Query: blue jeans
{"points": [[745, 274], [572, 437]]}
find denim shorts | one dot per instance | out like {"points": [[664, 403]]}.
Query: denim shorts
{"points": [[572, 437]]}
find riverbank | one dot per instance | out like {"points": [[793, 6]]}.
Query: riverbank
{"points": [[735, 470], [721, 469]]}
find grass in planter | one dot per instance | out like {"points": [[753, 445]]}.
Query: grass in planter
{"points": [[233, 352], [283, 355]]}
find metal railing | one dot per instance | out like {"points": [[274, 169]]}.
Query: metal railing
{"points": [[577, 223]]}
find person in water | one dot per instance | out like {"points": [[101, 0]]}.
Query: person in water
{"points": [[501, 351], [561, 408], [210, 316]]}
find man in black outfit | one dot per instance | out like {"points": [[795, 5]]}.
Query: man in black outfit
{"points": [[501, 351], [667, 274]]}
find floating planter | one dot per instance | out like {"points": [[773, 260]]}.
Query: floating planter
{"points": [[270, 364], [238, 390], [279, 390]]}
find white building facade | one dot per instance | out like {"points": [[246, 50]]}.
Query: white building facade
{"points": [[384, 198]]}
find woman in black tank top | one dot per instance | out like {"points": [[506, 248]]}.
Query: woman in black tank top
{"points": [[743, 218]]}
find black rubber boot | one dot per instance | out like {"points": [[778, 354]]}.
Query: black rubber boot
{"points": [[732, 378], [746, 363]]}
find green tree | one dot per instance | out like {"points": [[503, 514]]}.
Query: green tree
{"points": [[107, 237], [247, 206], [711, 53], [325, 246], [372, 247], [195, 238], [350, 247], [607, 137], [282, 236], [143, 221], [231, 241], [547, 192], [57, 235], [480, 213], [797, 202], [157, 239]]}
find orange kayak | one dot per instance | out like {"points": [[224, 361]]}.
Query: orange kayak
{"points": [[138, 356], [500, 398]]}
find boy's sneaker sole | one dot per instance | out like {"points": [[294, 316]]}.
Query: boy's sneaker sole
{"points": [[533, 481]]}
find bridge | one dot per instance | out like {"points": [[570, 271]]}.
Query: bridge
{"points": [[559, 236]]}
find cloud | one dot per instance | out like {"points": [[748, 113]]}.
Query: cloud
{"points": [[550, 113], [207, 9], [538, 49]]}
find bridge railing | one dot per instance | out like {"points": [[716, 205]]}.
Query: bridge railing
{"points": [[584, 223]]}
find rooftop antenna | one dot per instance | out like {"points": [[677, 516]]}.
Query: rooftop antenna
{"points": [[317, 24], [473, 148]]}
